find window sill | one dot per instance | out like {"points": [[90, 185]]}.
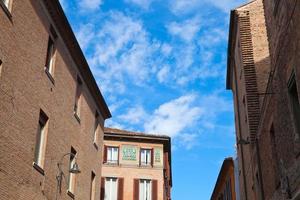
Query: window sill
{"points": [[71, 194], [77, 117], [38, 168], [146, 166], [111, 164], [6, 10], [49, 76]]}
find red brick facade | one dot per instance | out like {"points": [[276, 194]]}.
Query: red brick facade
{"points": [[26, 88], [263, 73]]}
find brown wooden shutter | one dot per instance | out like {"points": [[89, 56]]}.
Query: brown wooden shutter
{"points": [[120, 188], [102, 191], [118, 155], [152, 157], [105, 154], [140, 158], [136, 184], [154, 189]]}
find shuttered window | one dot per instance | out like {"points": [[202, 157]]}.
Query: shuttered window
{"points": [[145, 190], [136, 183], [120, 188], [146, 157], [102, 192], [111, 189], [112, 155]]}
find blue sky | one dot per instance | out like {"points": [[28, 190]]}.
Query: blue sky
{"points": [[161, 66]]}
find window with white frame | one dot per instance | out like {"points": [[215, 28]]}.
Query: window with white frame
{"points": [[78, 97], [145, 190], [111, 189], [50, 59], [146, 156], [112, 155], [96, 129], [72, 176], [41, 140], [7, 3], [93, 186]]}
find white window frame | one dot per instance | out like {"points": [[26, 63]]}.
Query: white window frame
{"points": [[112, 155], [146, 156], [51, 54], [7, 3], [72, 176], [111, 193], [97, 129], [145, 189], [41, 142], [93, 186]]}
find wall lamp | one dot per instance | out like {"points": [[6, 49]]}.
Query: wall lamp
{"points": [[73, 169]]}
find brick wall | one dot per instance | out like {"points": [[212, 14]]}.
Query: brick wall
{"points": [[24, 90]]}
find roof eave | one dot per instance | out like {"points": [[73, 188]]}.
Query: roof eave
{"points": [[68, 36]]}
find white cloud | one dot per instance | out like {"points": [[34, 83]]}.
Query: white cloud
{"points": [[134, 115], [84, 35], [163, 74], [186, 30], [180, 7], [63, 4], [188, 140], [183, 6], [87, 5], [166, 49], [124, 52], [173, 117], [145, 4]]}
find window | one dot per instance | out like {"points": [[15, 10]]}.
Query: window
{"points": [[77, 106], [41, 141], [294, 102], [7, 3], [0, 68], [146, 157], [112, 155], [145, 190], [111, 189], [93, 186], [50, 59], [72, 176], [96, 129]]}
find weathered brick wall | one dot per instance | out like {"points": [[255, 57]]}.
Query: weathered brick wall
{"points": [[24, 90], [250, 76], [283, 25]]}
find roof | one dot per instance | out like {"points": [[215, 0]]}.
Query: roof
{"points": [[111, 133], [222, 174], [231, 42], [67, 35], [131, 133]]}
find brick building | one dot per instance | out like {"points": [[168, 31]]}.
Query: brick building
{"points": [[263, 72], [51, 111], [136, 166], [225, 187]]}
